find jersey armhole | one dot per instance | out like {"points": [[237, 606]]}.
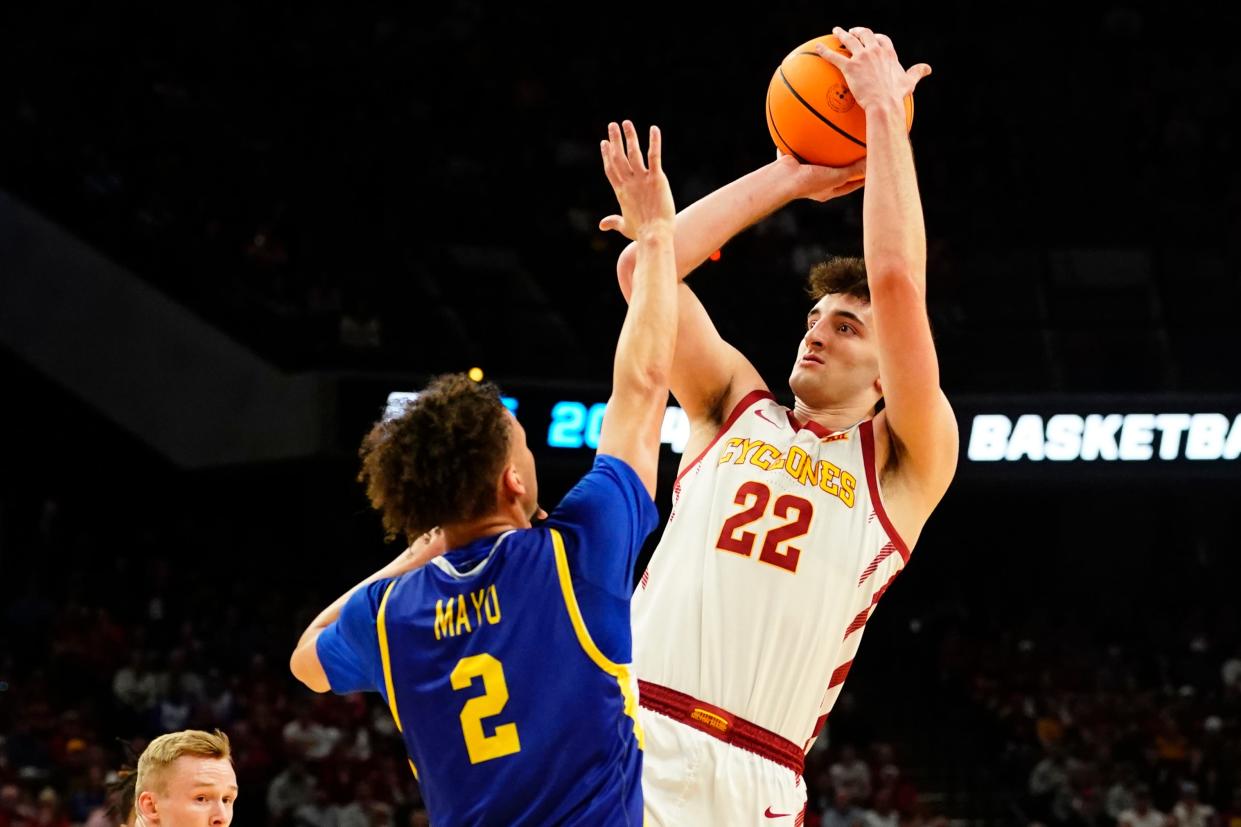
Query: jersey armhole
{"points": [[619, 671], [381, 628], [738, 409], [867, 431]]}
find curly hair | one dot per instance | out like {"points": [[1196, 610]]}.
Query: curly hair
{"points": [[842, 274], [437, 462]]}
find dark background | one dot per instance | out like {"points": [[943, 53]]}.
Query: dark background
{"points": [[394, 192]]}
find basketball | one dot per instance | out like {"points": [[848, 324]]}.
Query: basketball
{"points": [[811, 113]]}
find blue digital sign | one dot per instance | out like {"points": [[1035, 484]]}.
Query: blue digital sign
{"points": [[574, 425]]}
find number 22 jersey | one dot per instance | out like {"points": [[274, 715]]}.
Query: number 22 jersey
{"points": [[505, 664], [776, 553]]}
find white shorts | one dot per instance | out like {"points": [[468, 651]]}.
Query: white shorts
{"points": [[690, 779]]}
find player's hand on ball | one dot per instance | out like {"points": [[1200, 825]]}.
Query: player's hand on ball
{"points": [[822, 183], [640, 185], [872, 69]]}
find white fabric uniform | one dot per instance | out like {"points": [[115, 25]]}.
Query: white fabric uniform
{"points": [[775, 555], [690, 779]]}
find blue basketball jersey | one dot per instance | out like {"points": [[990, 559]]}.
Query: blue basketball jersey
{"points": [[505, 664]]}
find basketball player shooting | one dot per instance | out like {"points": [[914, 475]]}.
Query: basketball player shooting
{"points": [[787, 526]]}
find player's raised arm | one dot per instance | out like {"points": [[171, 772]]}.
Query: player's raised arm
{"points": [[643, 361], [894, 239], [709, 375]]}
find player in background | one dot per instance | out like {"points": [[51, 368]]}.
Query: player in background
{"points": [[186, 779], [505, 661], [787, 526]]}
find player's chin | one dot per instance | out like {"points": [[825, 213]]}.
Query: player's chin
{"points": [[807, 383], [808, 370]]}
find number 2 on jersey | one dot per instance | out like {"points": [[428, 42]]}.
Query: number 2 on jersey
{"points": [[480, 746], [771, 553]]}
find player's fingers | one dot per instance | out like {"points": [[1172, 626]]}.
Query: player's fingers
{"points": [[855, 169], [632, 148], [865, 35], [885, 41], [831, 55], [917, 73], [654, 150], [620, 164], [852, 186], [609, 163], [848, 40]]}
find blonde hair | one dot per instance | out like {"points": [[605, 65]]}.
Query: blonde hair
{"points": [[164, 750]]}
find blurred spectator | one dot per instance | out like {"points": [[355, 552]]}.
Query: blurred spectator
{"points": [[306, 737], [48, 810], [173, 710], [88, 794], [1189, 812], [1143, 814], [851, 774], [16, 808], [218, 699], [843, 813], [1230, 672], [134, 684], [317, 812], [1049, 781], [883, 812], [292, 789]]}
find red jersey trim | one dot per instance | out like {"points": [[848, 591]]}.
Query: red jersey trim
{"points": [[721, 725], [740, 408], [809, 425], [866, 429]]}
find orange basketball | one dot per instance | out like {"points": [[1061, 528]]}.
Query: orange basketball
{"points": [[811, 113]]}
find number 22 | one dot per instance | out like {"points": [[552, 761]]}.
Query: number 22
{"points": [[771, 553]]}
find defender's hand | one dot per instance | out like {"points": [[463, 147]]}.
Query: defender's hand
{"points": [[642, 189]]}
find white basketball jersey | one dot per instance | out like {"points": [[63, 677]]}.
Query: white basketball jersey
{"points": [[777, 550]]}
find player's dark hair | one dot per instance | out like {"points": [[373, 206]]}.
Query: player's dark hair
{"points": [[437, 462], [121, 794], [842, 274]]}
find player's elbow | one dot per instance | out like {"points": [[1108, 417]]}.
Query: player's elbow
{"points": [[647, 382], [310, 673], [895, 278]]}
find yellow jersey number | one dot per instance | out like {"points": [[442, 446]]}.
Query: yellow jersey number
{"points": [[484, 747]]}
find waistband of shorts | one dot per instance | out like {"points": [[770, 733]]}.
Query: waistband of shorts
{"points": [[721, 724]]}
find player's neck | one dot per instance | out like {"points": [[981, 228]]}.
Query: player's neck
{"points": [[457, 535], [832, 417]]}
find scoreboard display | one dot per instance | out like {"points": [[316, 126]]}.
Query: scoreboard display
{"points": [[1037, 438]]}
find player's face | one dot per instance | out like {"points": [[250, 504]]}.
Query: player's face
{"points": [[837, 358], [522, 457], [199, 792]]}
